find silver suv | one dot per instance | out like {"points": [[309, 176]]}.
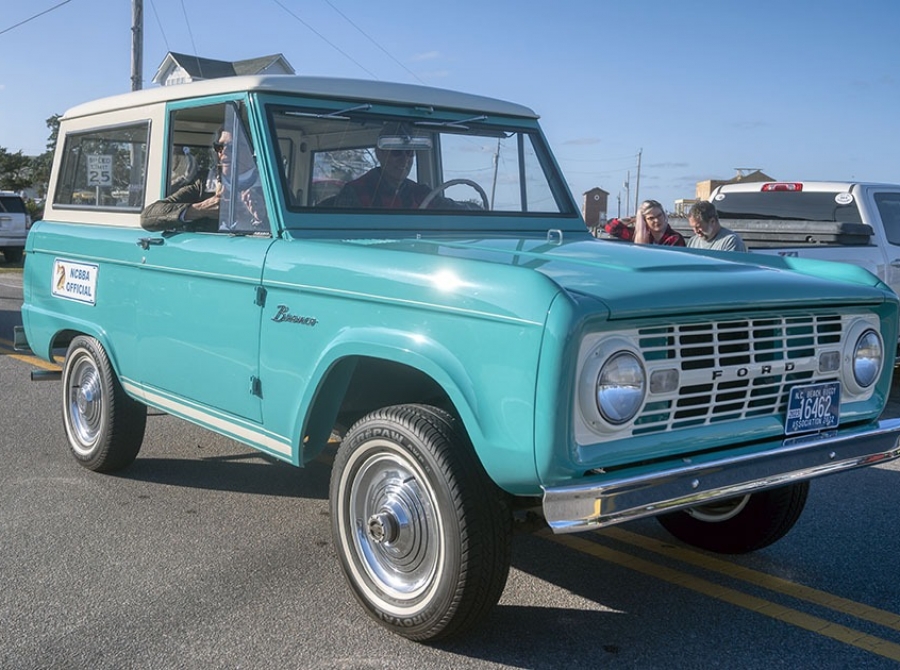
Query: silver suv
{"points": [[14, 225]]}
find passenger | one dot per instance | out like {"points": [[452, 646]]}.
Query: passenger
{"points": [[651, 226], [196, 206], [709, 233], [386, 186]]}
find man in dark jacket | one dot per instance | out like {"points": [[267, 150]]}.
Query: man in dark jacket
{"points": [[196, 206]]}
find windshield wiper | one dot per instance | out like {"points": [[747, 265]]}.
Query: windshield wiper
{"points": [[451, 124], [340, 114]]}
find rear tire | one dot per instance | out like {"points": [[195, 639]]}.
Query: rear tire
{"points": [[739, 525], [422, 534], [105, 427], [12, 254]]}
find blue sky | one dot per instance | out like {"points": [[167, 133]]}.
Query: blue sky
{"points": [[802, 90]]}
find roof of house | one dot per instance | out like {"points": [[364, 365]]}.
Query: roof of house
{"points": [[210, 68]]}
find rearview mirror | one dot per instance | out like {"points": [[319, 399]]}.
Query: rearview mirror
{"points": [[404, 143]]}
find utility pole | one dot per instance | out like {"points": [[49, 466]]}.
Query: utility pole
{"points": [[137, 44], [637, 186], [627, 186]]}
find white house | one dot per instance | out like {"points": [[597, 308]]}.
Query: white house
{"points": [[183, 68]]}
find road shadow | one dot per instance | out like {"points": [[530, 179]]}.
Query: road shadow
{"points": [[622, 615], [239, 473]]}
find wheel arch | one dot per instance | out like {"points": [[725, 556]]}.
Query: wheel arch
{"points": [[358, 376]]}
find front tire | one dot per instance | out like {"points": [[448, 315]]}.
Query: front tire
{"points": [[423, 535], [739, 525], [104, 426]]}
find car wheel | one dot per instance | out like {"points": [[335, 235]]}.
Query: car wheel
{"points": [[423, 535], [739, 525], [104, 426], [12, 254]]}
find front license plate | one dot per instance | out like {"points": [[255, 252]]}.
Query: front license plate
{"points": [[814, 407]]}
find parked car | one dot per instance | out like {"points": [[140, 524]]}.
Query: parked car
{"points": [[475, 347], [14, 225]]}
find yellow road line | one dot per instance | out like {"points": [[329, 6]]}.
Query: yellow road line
{"points": [[6, 349], [770, 582], [794, 617]]}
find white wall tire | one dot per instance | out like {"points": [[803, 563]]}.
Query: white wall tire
{"points": [[740, 525], [422, 534], [104, 426]]}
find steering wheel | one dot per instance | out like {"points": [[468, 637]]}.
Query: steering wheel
{"points": [[453, 182]]}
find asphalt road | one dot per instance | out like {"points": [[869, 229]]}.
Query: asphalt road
{"points": [[204, 554]]}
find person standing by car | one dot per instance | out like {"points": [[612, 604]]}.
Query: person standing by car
{"points": [[709, 233], [650, 226]]}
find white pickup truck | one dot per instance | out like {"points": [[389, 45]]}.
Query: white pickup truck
{"points": [[857, 223]]}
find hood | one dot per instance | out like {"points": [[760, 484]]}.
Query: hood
{"points": [[636, 280]]}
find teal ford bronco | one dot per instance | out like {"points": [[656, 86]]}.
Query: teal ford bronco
{"points": [[290, 260]]}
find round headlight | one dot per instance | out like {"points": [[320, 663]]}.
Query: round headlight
{"points": [[868, 357], [620, 388]]}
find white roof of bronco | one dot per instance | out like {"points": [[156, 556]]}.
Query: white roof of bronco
{"points": [[326, 87]]}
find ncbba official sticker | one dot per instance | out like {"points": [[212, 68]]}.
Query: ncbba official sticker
{"points": [[75, 281]]}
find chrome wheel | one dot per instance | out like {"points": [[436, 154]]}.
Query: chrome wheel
{"points": [[397, 532], [84, 397]]}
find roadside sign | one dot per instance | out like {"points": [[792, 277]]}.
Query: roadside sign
{"points": [[99, 170]]}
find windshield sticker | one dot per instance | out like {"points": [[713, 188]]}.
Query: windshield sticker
{"points": [[843, 198], [719, 196], [75, 281]]}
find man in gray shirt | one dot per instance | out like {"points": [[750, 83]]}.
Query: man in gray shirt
{"points": [[709, 233]]}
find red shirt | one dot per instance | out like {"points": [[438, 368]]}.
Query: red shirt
{"points": [[670, 237]]}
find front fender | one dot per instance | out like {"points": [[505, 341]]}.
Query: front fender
{"points": [[498, 417]]}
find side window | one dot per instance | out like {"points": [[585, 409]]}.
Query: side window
{"points": [[191, 137], [104, 168], [889, 208], [210, 146]]}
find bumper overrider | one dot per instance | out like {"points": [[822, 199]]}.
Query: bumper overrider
{"points": [[607, 499]]}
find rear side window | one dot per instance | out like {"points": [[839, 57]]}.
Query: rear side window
{"points": [[889, 208], [104, 168], [12, 204]]}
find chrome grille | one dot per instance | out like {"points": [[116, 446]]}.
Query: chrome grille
{"points": [[731, 370]]}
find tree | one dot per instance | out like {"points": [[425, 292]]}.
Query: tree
{"points": [[15, 170], [40, 173], [18, 171]]}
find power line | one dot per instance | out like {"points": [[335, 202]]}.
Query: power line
{"points": [[159, 23], [191, 34], [324, 39], [368, 37], [46, 11]]}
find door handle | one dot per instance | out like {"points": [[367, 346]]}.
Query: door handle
{"points": [[895, 263], [145, 242]]}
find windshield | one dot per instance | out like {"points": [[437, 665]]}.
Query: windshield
{"points": [[351, 160]]}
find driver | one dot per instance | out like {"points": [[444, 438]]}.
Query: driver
{"points": [[386, 186]]}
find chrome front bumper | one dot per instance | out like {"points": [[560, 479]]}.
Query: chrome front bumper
{"points": [[611, 499]]}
